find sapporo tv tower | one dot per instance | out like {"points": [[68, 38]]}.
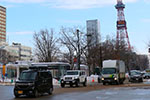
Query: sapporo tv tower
{"points": [[122, 34]]}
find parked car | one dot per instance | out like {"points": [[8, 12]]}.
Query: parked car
{"points": [[34, 81], [146, 76], [74, 77], [135, 76]]}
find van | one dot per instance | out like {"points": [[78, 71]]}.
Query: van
{"points": [[34, 81]]}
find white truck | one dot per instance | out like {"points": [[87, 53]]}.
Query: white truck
{"points": [[113, 71]]}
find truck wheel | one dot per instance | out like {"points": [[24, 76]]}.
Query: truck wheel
{"points": [[62, 85], [117, 82], [104, 83]]}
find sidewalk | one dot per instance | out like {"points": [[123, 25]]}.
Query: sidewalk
{"points": [[7, 83]]}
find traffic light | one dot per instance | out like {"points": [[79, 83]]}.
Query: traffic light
{"points": [[149, 50]]}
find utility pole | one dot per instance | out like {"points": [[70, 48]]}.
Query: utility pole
{"points": [[149, 56], [78, 49]]}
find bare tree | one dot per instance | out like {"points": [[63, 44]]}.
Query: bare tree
{"points": [[74, 40], [46, 47]]}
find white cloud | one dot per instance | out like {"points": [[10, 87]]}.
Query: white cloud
{"points": [[71, 4], [21, 33]]}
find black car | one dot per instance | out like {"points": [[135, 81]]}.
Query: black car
{"points": [[146, 76], [34, 81], [135, 76]]}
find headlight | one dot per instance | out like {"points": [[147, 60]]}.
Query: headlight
{"points": [[102, 79], [115, 78]]}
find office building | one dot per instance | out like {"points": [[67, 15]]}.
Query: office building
{"points": [[93, 32], [18, 52], [2, 24], [23, 53]]}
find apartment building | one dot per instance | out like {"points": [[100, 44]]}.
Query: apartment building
{"points": [[2, 24]]}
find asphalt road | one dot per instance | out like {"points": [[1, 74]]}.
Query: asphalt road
{"points": [[99, 92], [128, 93]]}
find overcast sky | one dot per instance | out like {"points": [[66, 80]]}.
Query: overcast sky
{"points": [[24, 17]]}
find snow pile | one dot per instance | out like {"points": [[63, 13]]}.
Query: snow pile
{"points": [[56, 82], [92, 78]]}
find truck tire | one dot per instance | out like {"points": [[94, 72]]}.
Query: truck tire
{"points": [[104, 83], [117, 82]]}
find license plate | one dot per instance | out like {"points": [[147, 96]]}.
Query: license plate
{"points": [[136, 78], [20, 92]]}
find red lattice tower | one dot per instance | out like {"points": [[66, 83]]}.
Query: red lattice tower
{"points": [[122, 33]]}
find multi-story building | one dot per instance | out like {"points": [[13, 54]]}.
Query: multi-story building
{"points": [[17, 52], [2, 24], [93, 32], [23, 52]]}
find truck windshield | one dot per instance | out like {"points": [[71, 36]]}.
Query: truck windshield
{"points": [[28, 75], [72, 73], [109, 71]]}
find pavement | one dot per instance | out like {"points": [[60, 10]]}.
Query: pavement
{"points": [[7, 83]]}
